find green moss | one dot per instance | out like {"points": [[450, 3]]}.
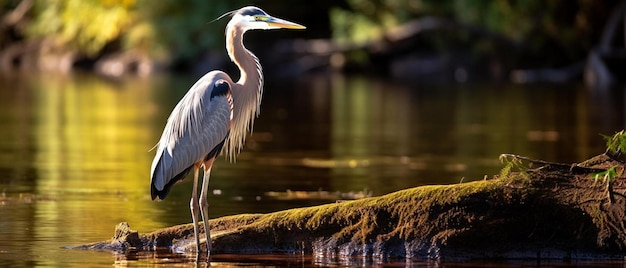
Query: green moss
{"points": [[362, 221]]}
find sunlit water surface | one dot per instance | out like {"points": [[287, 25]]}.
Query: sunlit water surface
{"points": [[75, 160]]}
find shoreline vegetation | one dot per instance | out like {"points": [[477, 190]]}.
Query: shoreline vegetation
{"points": [[532, 210]]}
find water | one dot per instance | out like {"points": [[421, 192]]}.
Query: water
{"points": [[75, 160]]}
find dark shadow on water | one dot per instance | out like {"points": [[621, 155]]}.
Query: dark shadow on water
{"points": [[169, 259]]}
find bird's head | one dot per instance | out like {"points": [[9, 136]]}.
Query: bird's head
{"points": [[254, 18]]}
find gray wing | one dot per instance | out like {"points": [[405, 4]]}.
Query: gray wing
{"points": [[198, 124]]}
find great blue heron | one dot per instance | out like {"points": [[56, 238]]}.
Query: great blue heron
{"points": [[215, 115]]}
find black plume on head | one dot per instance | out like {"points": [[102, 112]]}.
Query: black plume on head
{"points": [[251, 11], [244, 11]]}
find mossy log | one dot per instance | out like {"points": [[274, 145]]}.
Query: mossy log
{"points": [[550, 211]]}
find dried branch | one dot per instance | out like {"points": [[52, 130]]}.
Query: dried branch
{"points": [[16, 15]]}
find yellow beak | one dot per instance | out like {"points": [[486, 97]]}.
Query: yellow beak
{"points": [[280, 23]]}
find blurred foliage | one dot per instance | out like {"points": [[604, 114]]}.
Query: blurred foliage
{"points": [[368, 20], [184, 28], [180, 30], [571, 27], [82, 25], [163, 29]]}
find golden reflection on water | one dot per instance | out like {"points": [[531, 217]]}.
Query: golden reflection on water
{"points": [[94, 128], [74, 162], [91, 138]]}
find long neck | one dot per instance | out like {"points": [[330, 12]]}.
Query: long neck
{"points": [[247, 92], [250, 69]]}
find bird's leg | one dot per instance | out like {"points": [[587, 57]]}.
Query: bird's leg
{"points": [[204, 203], [194, 206]]}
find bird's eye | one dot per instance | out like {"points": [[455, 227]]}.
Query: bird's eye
{"points": [[260, 18]]}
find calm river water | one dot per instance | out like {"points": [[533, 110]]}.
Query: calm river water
{"points": [[75, 160]]}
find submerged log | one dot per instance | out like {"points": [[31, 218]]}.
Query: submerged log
{"points": [[549, 211]]}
